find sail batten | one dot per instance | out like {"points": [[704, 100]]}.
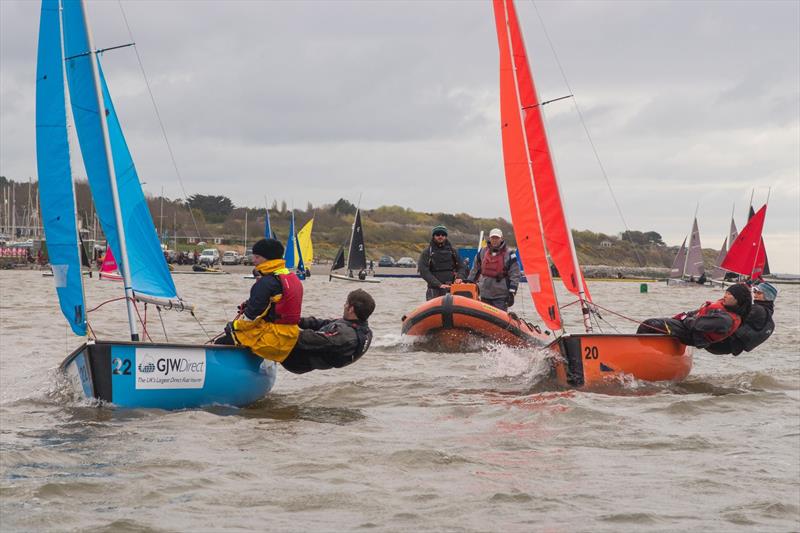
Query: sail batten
{"points": [[519, 179], [56, 188]]}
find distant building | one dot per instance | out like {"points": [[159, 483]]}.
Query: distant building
{"points": [[606, 244]]}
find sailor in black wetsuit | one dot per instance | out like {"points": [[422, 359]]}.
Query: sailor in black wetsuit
{"points": [[756, 327], [333, 343]]}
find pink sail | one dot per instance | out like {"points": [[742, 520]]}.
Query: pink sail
{"points": [[519, 182], [746, 255], [109, 269]]}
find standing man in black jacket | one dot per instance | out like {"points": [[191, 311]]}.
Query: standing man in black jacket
{"points": [[439, 264], [756, 327], [333, 343]]}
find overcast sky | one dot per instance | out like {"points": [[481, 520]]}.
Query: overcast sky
{"points": [[686, 102]]}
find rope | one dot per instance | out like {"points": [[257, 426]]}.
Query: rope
{"points": [[598, 317], [160, 122], [163, 327], [586, 130]]}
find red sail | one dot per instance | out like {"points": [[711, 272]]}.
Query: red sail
{"points": [[521, 197], [746, 255], [556, 232]]}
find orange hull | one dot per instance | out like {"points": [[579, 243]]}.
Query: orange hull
{"points": [[591, 359], [452, 320]]}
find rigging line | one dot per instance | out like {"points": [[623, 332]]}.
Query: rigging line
{"points": [[158, 116], [586, 130], [163, 327], [201, 325]]}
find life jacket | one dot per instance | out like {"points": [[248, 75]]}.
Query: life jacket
{"points": [[270, 338], [442, 259], [493, 265], [287, 309], [716, 307]]}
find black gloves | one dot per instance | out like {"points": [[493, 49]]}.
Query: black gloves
{"points": [[510, 299]]}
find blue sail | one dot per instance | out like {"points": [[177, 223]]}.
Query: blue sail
{"points": [[301, 267], [288, 253], [149, 272], [268, 233], [56, 193]]}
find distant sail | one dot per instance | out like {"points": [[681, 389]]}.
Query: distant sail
{"points": [[554, 223], [338, 261], [109, 264], [56, 189], [522, 199], [148, 268], [746, 255], [357, 256], [290, 253], [679, 264], [718, 272], [268, 233], [304, 242], [694, 260]]}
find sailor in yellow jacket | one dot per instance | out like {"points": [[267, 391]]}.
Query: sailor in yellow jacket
{"points": [[268, 325]]}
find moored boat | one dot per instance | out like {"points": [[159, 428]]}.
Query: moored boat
{"points": [[457, 320]]}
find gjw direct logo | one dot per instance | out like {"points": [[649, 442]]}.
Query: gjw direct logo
{"points": [[170, 364]]}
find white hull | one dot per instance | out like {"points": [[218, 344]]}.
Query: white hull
{"points": [[348, 278]]}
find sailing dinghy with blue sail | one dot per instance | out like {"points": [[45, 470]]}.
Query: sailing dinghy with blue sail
{"points": [[126, 373]]}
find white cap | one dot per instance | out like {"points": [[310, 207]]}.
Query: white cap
{"points": [[496, 232]]}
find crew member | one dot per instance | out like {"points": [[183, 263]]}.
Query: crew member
{"points": [[712, 323], [496, 272], [333, 343], [268, 323], [756, 327], [439, 264]]}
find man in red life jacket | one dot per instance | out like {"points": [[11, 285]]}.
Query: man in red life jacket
{"points": [[756, 327], [496, 272], [268, 323], [712, 323]]}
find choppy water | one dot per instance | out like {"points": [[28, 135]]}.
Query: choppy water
{"points": [[402, 440]]}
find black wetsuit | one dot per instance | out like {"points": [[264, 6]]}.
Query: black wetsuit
{"points": [[324, 344]]}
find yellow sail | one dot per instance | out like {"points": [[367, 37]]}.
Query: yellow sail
{"points": [[304, 240]]}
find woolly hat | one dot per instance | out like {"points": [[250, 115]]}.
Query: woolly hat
{"points": [[439, 229], [268, 249], [740, 292], [767, 289]]}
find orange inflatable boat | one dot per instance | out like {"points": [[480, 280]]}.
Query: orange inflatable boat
{"points": [[588, 359], [453, 321]]}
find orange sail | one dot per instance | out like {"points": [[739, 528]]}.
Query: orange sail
{"points": [[519, 182], [556, 232], [746, 255]]}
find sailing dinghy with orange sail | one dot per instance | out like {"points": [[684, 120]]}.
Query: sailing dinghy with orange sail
{"points": [[540, 227]]}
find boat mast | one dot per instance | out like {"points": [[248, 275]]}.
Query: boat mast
{"points": [[760, 240], [587, 324], [125, 265]]}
